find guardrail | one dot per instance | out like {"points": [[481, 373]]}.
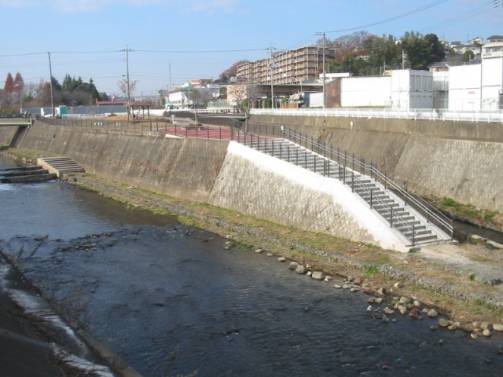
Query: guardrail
{"points": [[369, 168], [417, 114]]}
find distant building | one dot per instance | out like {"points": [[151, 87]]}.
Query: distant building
{"points": [[287, 67], [194, 93]]}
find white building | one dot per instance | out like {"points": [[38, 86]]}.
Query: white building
{"points": [[401, 90], [478, 87], [193, 93]]}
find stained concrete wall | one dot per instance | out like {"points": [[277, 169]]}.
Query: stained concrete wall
{"points": [[266, 187], [7, 134], [181, 168], [461, 160]]}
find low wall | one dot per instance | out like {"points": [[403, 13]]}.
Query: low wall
{"points": [[185, 168], [461, 160]]}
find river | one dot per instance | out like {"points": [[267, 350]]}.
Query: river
{"points": [[170, 301]]}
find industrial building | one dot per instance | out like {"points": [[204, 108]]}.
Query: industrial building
{"points": [[478, 87], [287, 67]]}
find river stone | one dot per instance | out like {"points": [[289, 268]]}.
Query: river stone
{"points": [[281, 259], [402, 309], [404, 300], [318, 275], [442, 322], [498, 327], [432, 313], [300, 269], [328, 278], [486, 333], [484, 325], [388, 311], [494, 245], [259, 251], [337, 286], [293, 266], [269, 255]]}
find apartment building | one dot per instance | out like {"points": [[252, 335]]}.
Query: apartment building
{"points": [[287, 67]]}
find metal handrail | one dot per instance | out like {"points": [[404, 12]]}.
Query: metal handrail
{"points": [[355, 164]]}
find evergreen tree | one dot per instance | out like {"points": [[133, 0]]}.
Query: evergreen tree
{"points": [[9, 84]]}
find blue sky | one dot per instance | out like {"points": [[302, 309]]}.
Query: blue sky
{"points": [[84, 25]]}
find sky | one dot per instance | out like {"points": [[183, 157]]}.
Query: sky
{"points": [[201, 38]]}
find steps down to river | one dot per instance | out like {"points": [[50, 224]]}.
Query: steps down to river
{"points": [[411, 225], [60, 165], [29, 174]]}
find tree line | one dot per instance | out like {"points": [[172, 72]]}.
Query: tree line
{"points": [[73, 91], [362, 53]]}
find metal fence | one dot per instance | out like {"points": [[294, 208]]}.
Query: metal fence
{"points": [[417, 114], [355, 164]]}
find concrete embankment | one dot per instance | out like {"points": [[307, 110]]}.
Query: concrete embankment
{"points": [[253, 183], [181, 168], [220, 173], [460, 160]]}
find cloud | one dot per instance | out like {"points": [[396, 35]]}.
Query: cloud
{"points": [[93, 5]]}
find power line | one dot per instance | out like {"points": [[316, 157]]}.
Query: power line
{"points": [[201, 51], [390, 19]]}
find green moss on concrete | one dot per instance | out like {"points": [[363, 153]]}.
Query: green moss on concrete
{"points": [[470, 213]]}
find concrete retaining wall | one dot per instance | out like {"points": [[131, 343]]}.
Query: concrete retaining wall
{"points": [[7, 134], [461, 160], [181, 168], [265, 187]]}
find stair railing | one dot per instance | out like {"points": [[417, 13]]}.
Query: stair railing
{"points": [[432, 214]]}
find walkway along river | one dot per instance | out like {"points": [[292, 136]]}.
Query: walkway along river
{"points": [[172, 301]]}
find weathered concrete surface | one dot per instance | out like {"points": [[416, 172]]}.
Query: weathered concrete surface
{"points": [[7, 134], [181, 168], [268, 188], [461, 160]]}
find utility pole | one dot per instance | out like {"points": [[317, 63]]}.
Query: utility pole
{"points": [[50, 84], [170, 78], [403, 59], [324, 72], [272, 79], [324, 75], [128, 83]]}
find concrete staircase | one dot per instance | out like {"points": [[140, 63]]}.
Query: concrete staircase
{"points": [[411, 225], [60, 165], [30, 174]]}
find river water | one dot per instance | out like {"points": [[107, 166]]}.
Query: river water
{"points": [[171, 301]]}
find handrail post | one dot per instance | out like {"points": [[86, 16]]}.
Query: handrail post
{"points": [[391, 216], [315, 163], [353, 181], [353, 161], [371, 198], [413, 234], [220, 133], [288, 152]]}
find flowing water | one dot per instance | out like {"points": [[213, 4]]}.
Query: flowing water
{"points": [[171, 301]]}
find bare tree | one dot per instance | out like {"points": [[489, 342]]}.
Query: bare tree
{"points": [[123, 87]]}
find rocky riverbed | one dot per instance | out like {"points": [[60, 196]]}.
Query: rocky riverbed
{"points": [[178, 301]]}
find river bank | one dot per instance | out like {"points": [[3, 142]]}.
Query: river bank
{"points": [[175, 299], [461, 281]]}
